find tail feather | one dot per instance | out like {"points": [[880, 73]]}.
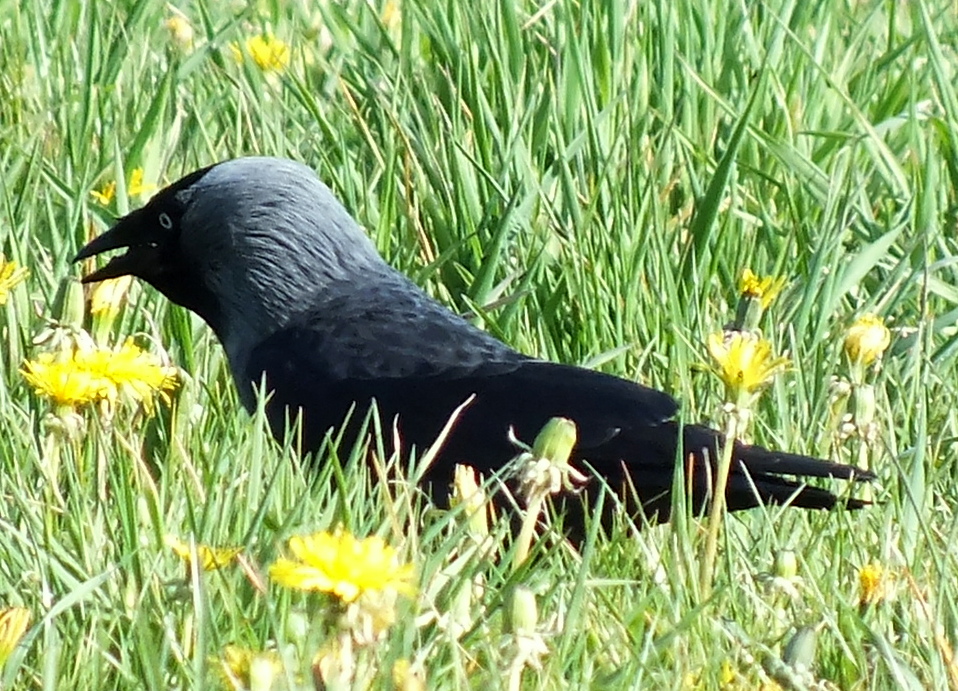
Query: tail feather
{"points": [[747, 492], [758, 476], [758, 460]]}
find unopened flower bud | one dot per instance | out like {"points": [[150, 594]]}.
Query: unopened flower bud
{"points": [[467, 493], [523, 613], [786, 565], [555, 440], [799, 652]]}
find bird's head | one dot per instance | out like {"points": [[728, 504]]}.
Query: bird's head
{"points": [[243, 243]]}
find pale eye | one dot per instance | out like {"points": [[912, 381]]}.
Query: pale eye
{"points": [[166, 221]]}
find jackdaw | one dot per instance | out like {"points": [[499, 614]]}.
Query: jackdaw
{"points": [[296, 293]]}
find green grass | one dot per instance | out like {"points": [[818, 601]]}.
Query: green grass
{"points": [[592, 178]]}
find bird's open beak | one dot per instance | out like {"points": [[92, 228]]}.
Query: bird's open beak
{"points": [[143, 249]]}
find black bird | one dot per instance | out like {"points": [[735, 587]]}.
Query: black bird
{"points": [[294, 290]]}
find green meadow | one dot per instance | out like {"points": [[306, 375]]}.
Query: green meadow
{"points": [[589, 180]]}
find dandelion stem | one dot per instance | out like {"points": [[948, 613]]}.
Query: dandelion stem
{"points": [[526, 532], [717, 511]]}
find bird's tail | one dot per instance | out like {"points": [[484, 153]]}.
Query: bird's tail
{"points": [[745, 491], [760, 475]]}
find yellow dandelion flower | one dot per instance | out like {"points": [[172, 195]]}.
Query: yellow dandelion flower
{"points": [[87, 374], [727, 673], [243, 668], [765, 288], [135, 188], [268, 52], [105, 194], [745, 361], [343, 565], [867, 339], [62, 381], [11, 275], [13, 624], [108, 294], [136, 374], [872, 584], [210, 558]]}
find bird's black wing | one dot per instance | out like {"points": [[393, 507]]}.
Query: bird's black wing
{"points": [[386, 340], [419, 362]]}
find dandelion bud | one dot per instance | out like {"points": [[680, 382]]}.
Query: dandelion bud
{"points": [[208, 558], [297, 627], [105, 304], [555, 440], [467, 493], [523, 613], [786, 565], [108, 295], [799, 652], [547, 469]]}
